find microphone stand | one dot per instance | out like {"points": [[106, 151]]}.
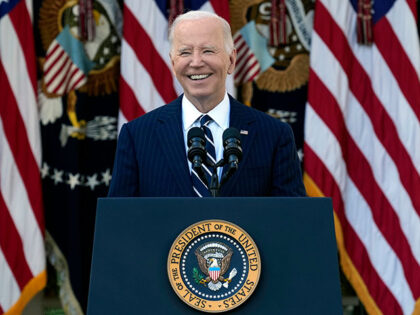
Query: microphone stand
{"points": [[214, 183]]}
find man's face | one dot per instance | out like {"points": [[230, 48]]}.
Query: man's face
{"points": [[200, 61]]}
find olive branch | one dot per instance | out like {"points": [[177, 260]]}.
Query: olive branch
{"points": [[197, 276]]}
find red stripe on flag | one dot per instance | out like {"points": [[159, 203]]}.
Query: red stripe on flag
{"points": [[15, 132], [253, 76], [72, 74], [66, 77], [245, 65], [398, 62], [56, 59], [242, 46], [64, 69], [52, 51], [361, 173], [23, 25], [75, 84], [12, 247], [58, 72], [221, 8], [129, 105], [324, 24], [149, 57], [244, 74], [380, 293]]}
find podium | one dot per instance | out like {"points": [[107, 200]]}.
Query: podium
{"points": [[295, 239]]}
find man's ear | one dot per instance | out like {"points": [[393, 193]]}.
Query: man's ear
{"points": [[232, 59]]}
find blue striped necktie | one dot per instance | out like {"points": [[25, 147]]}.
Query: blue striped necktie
{"points": [[200, 188]]}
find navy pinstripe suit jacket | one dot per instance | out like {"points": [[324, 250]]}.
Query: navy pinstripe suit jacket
{"points": [[151, 160]]}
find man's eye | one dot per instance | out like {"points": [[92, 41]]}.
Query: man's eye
{"points": [[208, 51], [184, 53]]}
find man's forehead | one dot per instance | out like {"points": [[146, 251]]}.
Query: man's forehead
{"points": [[204, 24], [204, 20]]}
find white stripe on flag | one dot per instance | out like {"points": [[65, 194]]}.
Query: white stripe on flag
{"points": [[11, 186], [9, 288]]}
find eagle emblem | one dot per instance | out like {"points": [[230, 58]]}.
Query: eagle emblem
{"points": [[214, 261]]}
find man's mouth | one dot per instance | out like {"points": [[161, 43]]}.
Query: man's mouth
{"points": [[196, 77]]}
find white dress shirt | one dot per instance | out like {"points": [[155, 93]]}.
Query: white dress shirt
{"points": [[220, 115]]}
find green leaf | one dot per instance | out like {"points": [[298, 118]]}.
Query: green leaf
{"points": [[197, 276]]}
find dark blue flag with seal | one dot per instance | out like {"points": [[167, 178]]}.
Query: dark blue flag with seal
{"points": [[78, 55], [272, 39]]}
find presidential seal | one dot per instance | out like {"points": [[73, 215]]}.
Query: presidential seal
{"points": [[214, 266]]}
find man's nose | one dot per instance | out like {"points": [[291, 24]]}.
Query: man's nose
{"points": [[196, 59]]}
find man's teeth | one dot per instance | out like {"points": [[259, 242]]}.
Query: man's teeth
{"points": [[199, 76]]}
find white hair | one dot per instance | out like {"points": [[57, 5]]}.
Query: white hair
{"points": [[198, 15]]}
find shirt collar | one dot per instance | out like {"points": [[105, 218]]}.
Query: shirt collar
{"points": [[220, 113]]}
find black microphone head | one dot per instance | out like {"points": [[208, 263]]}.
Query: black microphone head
{"points": [[195, 132], [232, 144], [231, 133], [196, 146]]}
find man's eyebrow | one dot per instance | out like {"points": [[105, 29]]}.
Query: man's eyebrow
{"points": [[181, 49], [209, 47]]}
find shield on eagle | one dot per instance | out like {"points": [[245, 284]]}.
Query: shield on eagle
{"points": [[214, 273]]}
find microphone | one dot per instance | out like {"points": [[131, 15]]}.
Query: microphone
{"points": [[232, 154], [197, 150]]}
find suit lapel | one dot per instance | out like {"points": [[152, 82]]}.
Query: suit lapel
{"points": [[242, 119], [170, 133]]}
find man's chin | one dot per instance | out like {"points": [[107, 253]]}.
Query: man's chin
{"points": [[204, 102], [199, 96]]}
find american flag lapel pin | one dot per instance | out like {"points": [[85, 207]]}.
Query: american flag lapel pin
{"points": [[244, 132]]}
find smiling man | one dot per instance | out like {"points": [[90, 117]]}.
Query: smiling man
{"points": [[151, 158], [202, 56]]}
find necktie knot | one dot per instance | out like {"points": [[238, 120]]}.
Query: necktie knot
{"points": [[205, 120]]}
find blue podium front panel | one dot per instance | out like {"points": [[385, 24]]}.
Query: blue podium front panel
{"points": [[295, 238]]}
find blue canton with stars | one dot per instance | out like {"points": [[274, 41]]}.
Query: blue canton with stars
{"points": [[380, 8]]}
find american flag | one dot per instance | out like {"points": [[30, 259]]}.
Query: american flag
{"points": [[146, 80], [22, 257], [66, 64], [247, 67], [362, 146], [252, 55]]}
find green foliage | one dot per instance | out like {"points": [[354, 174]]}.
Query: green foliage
{"points": [[197, 276]]}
